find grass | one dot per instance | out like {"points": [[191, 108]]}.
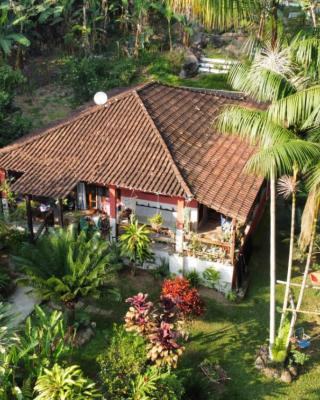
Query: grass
{"points": [[229, 333]]}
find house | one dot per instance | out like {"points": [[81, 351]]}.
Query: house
{"points": [[151, 149]]}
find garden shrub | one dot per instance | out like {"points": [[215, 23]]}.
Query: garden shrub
{"points": [[194, 278], [88, 75], [185, 297], [124, 359], [127, 375], [12, 124]]}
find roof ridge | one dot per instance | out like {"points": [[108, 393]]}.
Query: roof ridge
{"points": [[164, 146], [218, 92]]}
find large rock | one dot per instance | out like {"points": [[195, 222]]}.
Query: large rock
{"points": [[190, 66], [286, 376]]}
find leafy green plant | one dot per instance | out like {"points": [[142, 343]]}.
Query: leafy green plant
{"points": [[65, 383], [156, 221], [64, 266], [5, 283], [195, 245], [194, 278], [231, 295], [298, 357], [12, 124], [135, 244], [124, 359], [162, 270], [279, 349], [211, 277]]}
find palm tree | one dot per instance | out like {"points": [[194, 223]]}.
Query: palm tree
{"points": [[279, 150], [135, 243], [65, 383], [288, 186], [65, 266]]}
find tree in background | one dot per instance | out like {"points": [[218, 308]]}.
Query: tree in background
{"points": [[12, 124]]}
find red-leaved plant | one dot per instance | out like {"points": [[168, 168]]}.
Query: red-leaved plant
{"points": [[185, 298], [139, 318], [164, 347]]}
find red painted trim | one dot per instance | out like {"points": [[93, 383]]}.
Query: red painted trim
{"points": [[113, 201], [2, 179], [2, 175], [156, 198], [180, 214]]}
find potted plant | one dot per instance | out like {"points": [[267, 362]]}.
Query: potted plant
{"points": [[156, 222]]}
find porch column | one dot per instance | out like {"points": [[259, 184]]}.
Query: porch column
{"points": [[29, 217], [113, 211], [233, 240], [179, 225], [60, 212]]}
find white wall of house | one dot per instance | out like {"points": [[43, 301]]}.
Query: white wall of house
{"points": [[180, 265], [145, 209]]}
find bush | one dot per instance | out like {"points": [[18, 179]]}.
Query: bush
{"points": [[12, 124], [162, 270], [186, 298], [124, 359], [211, 277], [194, 278], [88, 75]]}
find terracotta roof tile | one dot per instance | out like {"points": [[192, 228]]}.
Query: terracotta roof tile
{"points": [[155, 138]]}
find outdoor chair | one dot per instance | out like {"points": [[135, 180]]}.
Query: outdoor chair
{"points": [[302, 339]]}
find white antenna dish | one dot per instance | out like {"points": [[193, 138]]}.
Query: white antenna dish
{"points": [[100, 98]]}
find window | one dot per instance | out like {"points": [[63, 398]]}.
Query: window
{"points": [[95, 194]]}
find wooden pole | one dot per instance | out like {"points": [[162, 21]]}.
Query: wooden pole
{"points": [[303, 311], [233, 240], [60, 212], [299, 285], [29, 217]]}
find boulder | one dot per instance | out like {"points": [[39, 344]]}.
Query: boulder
{"points": [[190, 66], [293, 371], [286, 376], [271, 373], [259, 363]]}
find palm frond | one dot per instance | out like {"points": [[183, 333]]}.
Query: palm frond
{"points": [[282, 157], [252, 126], [296, 108], [287, 185], [217, 13]]}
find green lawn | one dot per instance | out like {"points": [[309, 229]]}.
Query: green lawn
{"points": [[229, 333]]}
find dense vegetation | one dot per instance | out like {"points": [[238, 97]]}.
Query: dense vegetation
{"points": [[93, 45]]}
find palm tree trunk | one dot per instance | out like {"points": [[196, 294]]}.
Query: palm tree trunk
{"points": [[306, 272], [274, 23], [169, 34], [261, 25], [289, 272], [313, 7], [272, 261]]}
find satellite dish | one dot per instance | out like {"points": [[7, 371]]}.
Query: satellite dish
{"points": [[100, 98]]}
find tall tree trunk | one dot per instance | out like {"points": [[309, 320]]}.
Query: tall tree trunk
{"points": [[272, 261], [274, 23], [313, 14], [261, 25], [306, 271], [169, 34], [85, 35], [289, 272]]}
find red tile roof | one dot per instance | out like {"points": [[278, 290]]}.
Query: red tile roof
{"points": [[153, 138]]}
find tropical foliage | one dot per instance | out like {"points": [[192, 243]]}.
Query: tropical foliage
{"points": [[64, 383], [135, 243], [65, 267]]}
